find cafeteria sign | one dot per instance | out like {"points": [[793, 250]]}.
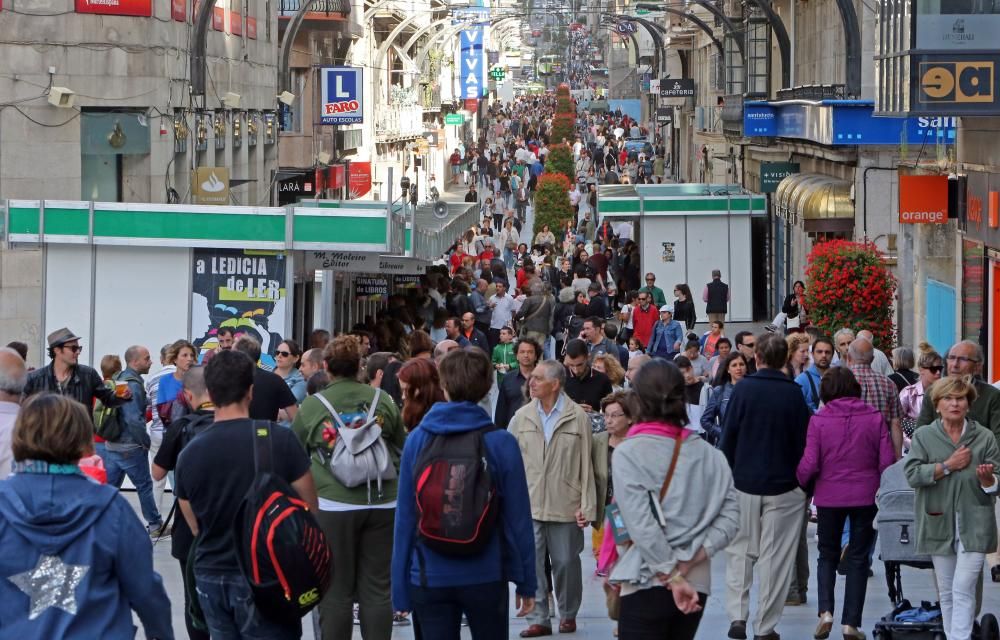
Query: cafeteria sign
{"points": [[342, 91]]}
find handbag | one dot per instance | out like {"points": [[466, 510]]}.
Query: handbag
{"points": [[619, 532]]}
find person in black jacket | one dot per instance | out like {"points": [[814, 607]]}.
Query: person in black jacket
{"points": [[513, 388], [684, 307], [763, 438], [65, 376]]}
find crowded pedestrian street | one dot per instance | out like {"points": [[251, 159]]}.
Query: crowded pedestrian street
{"points": [[489, 320]]}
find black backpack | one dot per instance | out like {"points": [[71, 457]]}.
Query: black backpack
{"points": [[456, 499], [280, 547]]}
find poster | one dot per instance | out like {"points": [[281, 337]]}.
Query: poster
{"points": [[239, 289], [142, 8], [371, 288], [359, 180]]}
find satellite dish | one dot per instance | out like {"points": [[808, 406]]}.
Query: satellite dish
{"points": [[440, 210]]}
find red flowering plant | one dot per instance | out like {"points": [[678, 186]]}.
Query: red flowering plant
{"points": [[850, 286]]}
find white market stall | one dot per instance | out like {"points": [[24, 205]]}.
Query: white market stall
{"points": [[684, 231]]}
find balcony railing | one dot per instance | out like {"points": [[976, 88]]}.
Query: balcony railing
{"points": [[814, 92], [398, 123], [288, 8], [732, 116]]}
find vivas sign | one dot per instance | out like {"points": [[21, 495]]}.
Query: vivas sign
{"points": [[342, 95], [473, 63]]}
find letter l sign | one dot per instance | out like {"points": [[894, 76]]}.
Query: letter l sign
{"points": [[339, 91]]}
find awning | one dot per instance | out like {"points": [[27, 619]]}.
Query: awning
{"points": [[821, 202]]}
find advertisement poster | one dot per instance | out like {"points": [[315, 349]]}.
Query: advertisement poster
{"points": [[178, 10], [342, 95], [371, 288], [142, 8], [239, 289], [359, 181]]}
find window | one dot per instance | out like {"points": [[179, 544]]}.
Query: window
{"points": [[758, 62], [291, 115], [734, 65]]}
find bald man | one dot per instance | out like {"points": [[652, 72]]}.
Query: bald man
{"points": [[881, 363], [13, 374], [877, 390], [442, 349], [634, 364]]}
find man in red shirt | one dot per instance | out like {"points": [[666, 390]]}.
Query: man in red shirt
{"points": [[644, 318]]}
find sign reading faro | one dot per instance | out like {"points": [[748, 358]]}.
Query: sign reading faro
{"points": [[342, 95]]}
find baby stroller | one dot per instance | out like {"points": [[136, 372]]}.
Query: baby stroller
{"points": [[897, 535]]}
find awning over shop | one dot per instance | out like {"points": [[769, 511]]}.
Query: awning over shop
{"points": [[822, 203], [688, 199]]}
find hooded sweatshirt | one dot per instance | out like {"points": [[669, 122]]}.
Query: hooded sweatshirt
{"points": [[510, 553], [98, 553]]}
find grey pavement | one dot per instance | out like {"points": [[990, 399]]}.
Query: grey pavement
{"points": [[592, 622]]}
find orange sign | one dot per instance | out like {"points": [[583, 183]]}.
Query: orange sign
{"points": [[923, 199]]}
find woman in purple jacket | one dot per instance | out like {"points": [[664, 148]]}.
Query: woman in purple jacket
{"points": [[847, 449]]}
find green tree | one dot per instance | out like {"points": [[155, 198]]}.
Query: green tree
{"points": [[562, 127], [560, 160], [552, 205]]}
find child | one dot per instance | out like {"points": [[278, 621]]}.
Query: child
{"points": [[503, 354], [634, 348]]}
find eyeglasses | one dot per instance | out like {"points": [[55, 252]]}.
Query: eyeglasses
{"points": [[75, 348], [283, 354], [650, 279], [610, 416], [749, 345], [935, 369], [960, 359]]}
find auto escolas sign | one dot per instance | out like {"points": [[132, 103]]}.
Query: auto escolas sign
{"points": [[342, 95]]}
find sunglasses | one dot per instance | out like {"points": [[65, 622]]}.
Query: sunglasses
{"points": [[283, 354], [935, 369], [74, 348], [749, 345]]}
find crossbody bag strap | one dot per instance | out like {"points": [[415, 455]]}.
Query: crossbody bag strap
{"points": [[261, 447], [671, 468]]}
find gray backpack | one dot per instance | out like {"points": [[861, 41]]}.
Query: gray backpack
{"points": [[360, 455]]}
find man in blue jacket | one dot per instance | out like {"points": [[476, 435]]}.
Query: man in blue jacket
{"points": [[436, 585], [763, 438], [808, 380], [667, 335]]}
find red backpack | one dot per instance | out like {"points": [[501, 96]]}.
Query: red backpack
{"points": [[280, 547], [456, 499]]}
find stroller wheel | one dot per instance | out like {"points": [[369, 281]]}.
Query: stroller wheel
{"points": [[989, 629]]}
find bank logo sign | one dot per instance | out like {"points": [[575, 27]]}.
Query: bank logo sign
{"points": [[955, 84], [342, 95]]}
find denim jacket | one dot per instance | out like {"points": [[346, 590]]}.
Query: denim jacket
{"points": [[132, 415], [665, 339]]}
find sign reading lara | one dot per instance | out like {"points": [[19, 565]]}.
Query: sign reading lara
{"points": [[676, 88], [342, 94]]}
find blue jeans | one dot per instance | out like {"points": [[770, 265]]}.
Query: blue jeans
{"points": [[133, 463], [437, 611], [230, 614]]}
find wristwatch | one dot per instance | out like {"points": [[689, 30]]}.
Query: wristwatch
{"points": [[947, 471]]}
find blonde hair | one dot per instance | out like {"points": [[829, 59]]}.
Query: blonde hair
{"points": [[961, 386], [613, 369], [794, 341], [52, 428]]}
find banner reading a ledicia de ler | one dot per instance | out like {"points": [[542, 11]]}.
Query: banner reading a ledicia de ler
{"points": [[142, 8]]}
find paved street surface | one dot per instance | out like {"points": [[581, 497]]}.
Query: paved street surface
{"points": [[797, 623]]}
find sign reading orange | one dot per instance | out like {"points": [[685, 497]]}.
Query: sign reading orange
{"points": [[923, 199]]}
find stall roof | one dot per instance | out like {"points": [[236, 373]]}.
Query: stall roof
{"points": [[627, 201]]}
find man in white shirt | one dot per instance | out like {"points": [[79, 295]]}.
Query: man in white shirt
{"points": [[503, 306], [881, 362], [13, 374]]}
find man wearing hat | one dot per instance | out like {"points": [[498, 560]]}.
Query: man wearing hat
{"points": [[667, 335], [65, 376]]}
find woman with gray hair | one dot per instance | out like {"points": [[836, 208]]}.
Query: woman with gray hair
{"points": [[903, 362]]}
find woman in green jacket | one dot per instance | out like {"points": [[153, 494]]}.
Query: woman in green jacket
{"points": [[952, 464]]}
